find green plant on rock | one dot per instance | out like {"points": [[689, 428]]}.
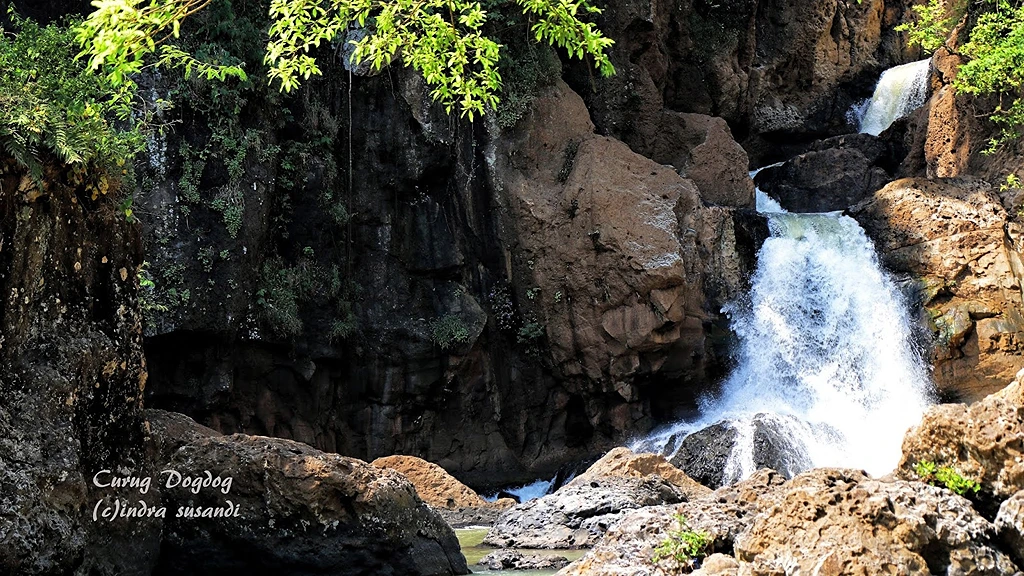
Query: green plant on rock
{"points": [[931, 473], [448, 331], [530, 332], [230, 202], [148, 300], [283, 291], [681, 546]]}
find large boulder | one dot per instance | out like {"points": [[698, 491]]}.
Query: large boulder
{"points": [[705, 454], [278, 505], [833, 521], [950, 236], [435, 486], [457, 503], [622, 462], [983, 441], [833, 175]]}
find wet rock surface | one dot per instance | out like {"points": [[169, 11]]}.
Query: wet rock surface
{"points": [[704, 455], [833, 175]]}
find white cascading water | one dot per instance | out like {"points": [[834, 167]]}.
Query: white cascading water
{"points": [[899, 92], [826, 353]]}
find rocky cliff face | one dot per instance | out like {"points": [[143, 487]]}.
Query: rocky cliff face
{"points": [[517, 302], [356, 270], [781, 73], [73, 373]]}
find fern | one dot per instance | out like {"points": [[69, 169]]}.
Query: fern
{"points": [[53, 107]]}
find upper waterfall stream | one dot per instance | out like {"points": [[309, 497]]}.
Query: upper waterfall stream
{"points": [[899, 92], [826, 355]]}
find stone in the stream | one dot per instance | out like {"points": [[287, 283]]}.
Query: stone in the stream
{"points": [[704, 455], [515, 560], [579, 513]]}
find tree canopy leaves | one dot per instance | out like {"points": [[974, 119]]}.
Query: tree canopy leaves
{"points": [[445, 40]]}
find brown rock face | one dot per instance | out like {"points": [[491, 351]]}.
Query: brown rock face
{"points": [[584, 275], [434, 486], [772, 70], [983, 441], [841, 522], [702, 149], [951, 236], [294, 510], [620, 260], [457, 503]]}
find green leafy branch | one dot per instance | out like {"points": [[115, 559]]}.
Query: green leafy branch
{"points": [[445, 40], [119, 35]]}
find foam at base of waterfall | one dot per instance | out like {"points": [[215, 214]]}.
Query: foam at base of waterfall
{"points": [[825, 346], [899, 92]]}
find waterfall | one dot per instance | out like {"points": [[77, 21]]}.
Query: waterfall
{"points": [[826, 354], [899, 92]]}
